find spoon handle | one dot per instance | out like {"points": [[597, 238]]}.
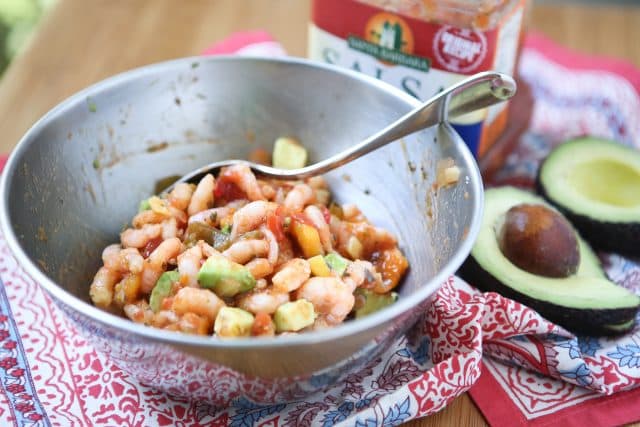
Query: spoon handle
{"points": [[473, 93]]}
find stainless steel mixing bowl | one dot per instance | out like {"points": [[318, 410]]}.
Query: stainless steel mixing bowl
{"points": [[77, 176]]}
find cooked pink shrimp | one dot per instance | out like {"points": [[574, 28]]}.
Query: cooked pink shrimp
{"points": [[180, 196], [263, 301], [299, 196], [189, 263], [243, 251], [147, 217], [361, 273], [250, 216], [157, 262], [213, 216], [164, 318], [317, 182], [139, 312], [259, 268], [267, 190], [274, 248], [352, 213], [101, 290], [330, 297], [139, 237], [122, 260], [170, 229], [180, 216], [246, 181], [200, 301], [202, 197], [317, 218], [292, 275]]}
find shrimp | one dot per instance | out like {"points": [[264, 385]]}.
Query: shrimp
{"points": [[352, 213], [170, 229], [101, 290], [192, 323], [246, 181], [202, 197], [189, 263], [180, 196], [139, 237], [147, 217], [317, 218], [317, 183], [157, 262], [300, 196], [292, 275], [331, 298], [164, 318], [361, 273], [274, 248], [199, 301], [111, 256], [212, 216], [263, 301], [243, 251], [267, 190], [139, 312], [251, 216], [259, 268]]}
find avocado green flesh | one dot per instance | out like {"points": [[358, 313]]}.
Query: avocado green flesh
{"points": [[233, 322], [225, 277], [373, 302], [336, 262], [621, 327], [595, 178], [293, 316], [162, 289], [587, 289]]}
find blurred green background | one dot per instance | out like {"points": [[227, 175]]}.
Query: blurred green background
{"points": [[18, 18]]}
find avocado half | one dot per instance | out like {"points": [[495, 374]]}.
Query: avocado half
{"points": [[595, 183], [585, 302]]}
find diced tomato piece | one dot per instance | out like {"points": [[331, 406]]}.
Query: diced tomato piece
{"points": [[227, 190], [275, 224], [151, 246]]}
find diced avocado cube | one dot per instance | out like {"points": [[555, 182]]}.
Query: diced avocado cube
{"points": [[319, 266], [289, 154], [368, 301], [162, 289], [233, 322], [337, 263], [293, 316], [225, 277], [144, 205]]}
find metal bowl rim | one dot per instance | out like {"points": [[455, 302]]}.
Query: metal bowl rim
{"points": [[124, 325]]}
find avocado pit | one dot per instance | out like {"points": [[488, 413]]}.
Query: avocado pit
{"points": [[539, 240]]}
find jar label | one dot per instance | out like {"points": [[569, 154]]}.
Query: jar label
{"points": [[419, 57]]}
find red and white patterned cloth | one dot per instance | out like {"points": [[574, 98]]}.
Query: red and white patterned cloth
{"points": [[49, 375]]}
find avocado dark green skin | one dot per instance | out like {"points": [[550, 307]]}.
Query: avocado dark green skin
{"points": [[617, 237], [580, 321]]}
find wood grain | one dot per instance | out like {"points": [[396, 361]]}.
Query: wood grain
{"points": [[81, 42]]}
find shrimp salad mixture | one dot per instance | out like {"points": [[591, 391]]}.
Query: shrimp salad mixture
{"points": [[239, 256]]}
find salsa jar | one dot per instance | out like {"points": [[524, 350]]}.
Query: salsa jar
{"points": [[424, 46]]}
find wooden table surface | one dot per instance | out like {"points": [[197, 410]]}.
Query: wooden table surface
{"points": [[81, 42]]}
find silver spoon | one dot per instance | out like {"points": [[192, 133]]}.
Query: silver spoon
{"points": [[473, 93]]}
